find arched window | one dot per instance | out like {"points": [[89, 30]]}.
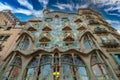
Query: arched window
{"points": [[88, 44], [45, 71], [24, 44], [14, 69], [99, 68], [81, 71], [31, 70], [67, 68]]}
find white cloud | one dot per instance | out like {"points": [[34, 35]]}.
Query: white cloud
{"points": [[64, 6], [23, 11], [26, 4], [113, 21], [81, 6], [35, 13], [5, 6], [115, 24], [44, 2], [118, 31], [113, 5], [106, 2], [71, 7]]}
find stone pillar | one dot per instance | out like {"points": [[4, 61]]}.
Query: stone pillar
{"points": [[89, 68]]}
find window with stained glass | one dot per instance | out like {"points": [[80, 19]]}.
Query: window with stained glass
{"points": [[45, 71], [88, 44], [24, 44], [67, 72], [117, 58], [99, 68], [81, 71], [13, 70], [31, 70]]}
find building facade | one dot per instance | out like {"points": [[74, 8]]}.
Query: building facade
{"points": [[8, 32], [63, 46]]}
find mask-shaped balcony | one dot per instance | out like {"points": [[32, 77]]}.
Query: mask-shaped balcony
{"points": [[46, 27], [93, 22], [81, 27], [69, 37], [77, 19], [66, 27], [99, 30], [110, 43], [32, 29], [45, 37]]}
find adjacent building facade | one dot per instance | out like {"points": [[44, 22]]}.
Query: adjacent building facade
{"points": [[61, 46]]}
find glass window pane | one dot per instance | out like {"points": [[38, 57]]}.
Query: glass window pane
{"points": [[67, 59], [87, 43], [99, 68], [78, 61], [82, 70], [84, 78], [45, 70], [45, 59], [67, 72], [14, 69], [96, 70], [15, 72], [32, 69], [5, 76], [117, 58], [24, 44], [31, 74]]}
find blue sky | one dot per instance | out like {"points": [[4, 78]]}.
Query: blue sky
{"points": [[26, 9]]}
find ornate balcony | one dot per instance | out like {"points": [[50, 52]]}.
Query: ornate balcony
{"points": [[93, 22], [69, 36], [110, 43], [77, 19], [47, 27], [81, 27], [32, 29], [45, 37], [99, 30], [66, 27]]}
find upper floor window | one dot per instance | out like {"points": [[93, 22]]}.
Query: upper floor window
{"points": [[8, 28], [4, 37], [32, 69], [88, 43], [99, 67], [14, 69], [104, 38], [88, 17], [65, 19], [5, 23], [24, 44], [117, 58], [48, 19]]}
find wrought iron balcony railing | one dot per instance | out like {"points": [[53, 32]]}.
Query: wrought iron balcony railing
{"points": [[92, 22], [110, 43], [100, 30]]}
